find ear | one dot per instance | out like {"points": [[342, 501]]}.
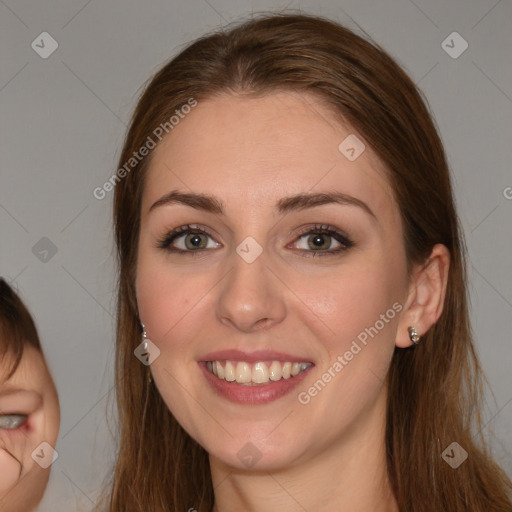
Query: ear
{"points": [[426, 294]]}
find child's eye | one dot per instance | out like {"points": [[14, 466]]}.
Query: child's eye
{"points": [[12, 421]]}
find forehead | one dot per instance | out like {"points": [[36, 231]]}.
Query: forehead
{"points": [[257, 148]]}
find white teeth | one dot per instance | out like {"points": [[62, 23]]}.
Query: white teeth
{"points": [[229, 372], [275, 371], [243, 373], [295, 369], [259, 373], [220, 370]]}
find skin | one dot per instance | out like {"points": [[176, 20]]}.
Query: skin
{"points": [[29, 391], [249, 153]]}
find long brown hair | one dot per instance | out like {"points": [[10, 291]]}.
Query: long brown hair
{"points": [[434, 388]]}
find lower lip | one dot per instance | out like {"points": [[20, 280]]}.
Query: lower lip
{"points": [[253, 395]]}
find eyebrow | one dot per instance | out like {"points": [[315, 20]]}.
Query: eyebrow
{"points": [[296, 202]]}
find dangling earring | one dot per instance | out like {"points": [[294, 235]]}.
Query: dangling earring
{"points": [[413, 335], [145, 345]]}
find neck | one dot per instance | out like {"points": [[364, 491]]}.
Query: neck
{"points": [[349, 475]]}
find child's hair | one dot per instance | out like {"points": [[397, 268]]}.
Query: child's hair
{"points": [[17, 328]]}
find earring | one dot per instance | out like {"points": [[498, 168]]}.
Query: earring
{"points": [[145, 342], [413, 335], [144, 337]]}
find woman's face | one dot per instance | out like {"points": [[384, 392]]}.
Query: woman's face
{"points": [[267, 278], [29, 416]]}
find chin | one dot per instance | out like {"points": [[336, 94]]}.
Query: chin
{"points": [[249, 458]]}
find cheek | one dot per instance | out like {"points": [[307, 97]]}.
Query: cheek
{"points": [[51, 415], [174, 306], [353, 299], [359, 309], [167, 297], [10, 470]]}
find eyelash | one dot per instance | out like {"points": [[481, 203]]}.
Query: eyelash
{"points": [[322, 229]]}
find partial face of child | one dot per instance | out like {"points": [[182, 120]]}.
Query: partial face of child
{"points": [[29, 416]]}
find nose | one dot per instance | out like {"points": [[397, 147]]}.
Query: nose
{"points": [[251, 297]]}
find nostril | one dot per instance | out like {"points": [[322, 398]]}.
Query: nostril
{"points": [[261, 324]]}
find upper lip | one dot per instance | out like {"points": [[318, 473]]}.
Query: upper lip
{"points": [[253, 357]]}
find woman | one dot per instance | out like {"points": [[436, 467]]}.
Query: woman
{"points": [[292, 283]]}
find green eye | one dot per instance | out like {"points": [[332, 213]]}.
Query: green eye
{"points": [[12, 421], [187, 239]]}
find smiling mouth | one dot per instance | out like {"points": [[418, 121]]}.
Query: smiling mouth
{"points": [[254, 374]]}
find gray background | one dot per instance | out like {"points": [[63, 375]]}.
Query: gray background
{"points": [[63, 120]]}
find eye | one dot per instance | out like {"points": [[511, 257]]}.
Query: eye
{"points": [[322, 240], [187, 239], [12, 421]]}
